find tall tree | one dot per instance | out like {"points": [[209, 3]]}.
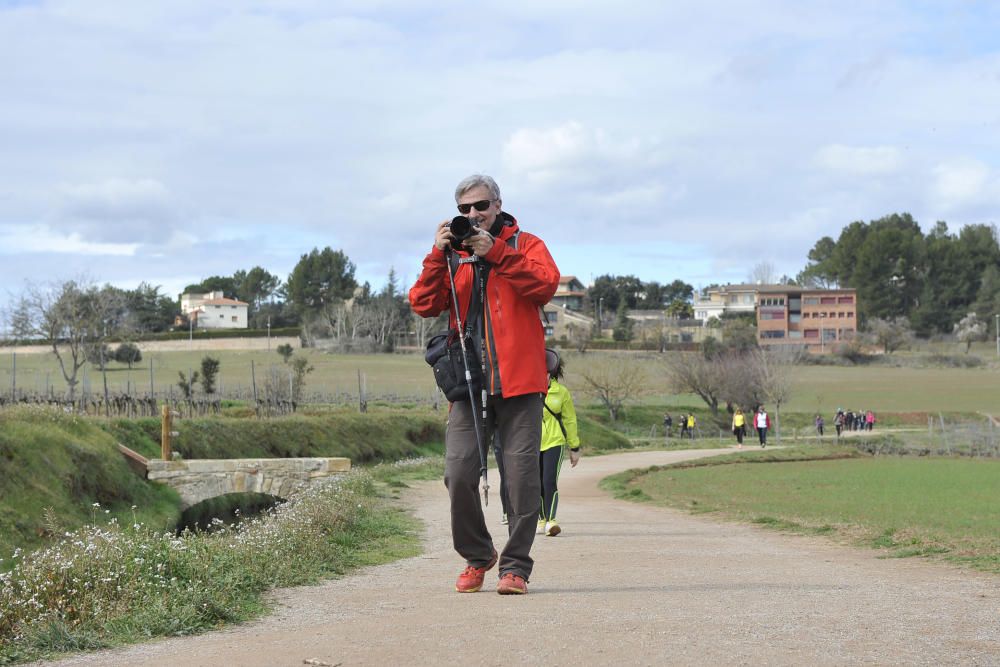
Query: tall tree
{"points": [[148, 310], [255, 286], [225, 284], [819, 272], [321, 279]]}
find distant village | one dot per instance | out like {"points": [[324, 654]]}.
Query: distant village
{"points": [[817, 319]]}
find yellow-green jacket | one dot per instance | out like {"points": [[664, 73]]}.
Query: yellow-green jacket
{"points": [[560, 402]]}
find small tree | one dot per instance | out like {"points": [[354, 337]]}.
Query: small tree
{"points": [[623, 325], [187, 383], [286, 351], [209, 372], [128, 353], [891, 334], [969, 330], [300, 368], [579, 336], [98, 355]]}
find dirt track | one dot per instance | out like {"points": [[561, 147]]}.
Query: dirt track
{"points": [[624, 584]]}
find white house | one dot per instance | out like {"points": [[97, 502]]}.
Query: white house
{"points": [[214, 311], [717, 301]]}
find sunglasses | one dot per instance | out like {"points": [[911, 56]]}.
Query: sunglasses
{"points": [[480, 205]]}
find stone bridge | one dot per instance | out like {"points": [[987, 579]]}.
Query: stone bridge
{"points": [[200, 479]]}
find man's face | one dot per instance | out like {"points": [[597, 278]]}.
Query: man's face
{"points": [[482, 219]]}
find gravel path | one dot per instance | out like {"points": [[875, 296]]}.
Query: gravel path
{"points": [[624, 584]]}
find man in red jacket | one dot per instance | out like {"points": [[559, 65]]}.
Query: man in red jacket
{"points": [[512, 277]]}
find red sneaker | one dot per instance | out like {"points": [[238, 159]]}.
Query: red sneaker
{"points": [[471, 579], [512, 584]]}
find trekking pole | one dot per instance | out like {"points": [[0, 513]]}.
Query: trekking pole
{"points": [[468, 383]]}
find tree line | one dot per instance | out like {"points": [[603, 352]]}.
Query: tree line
{"points": [[932, 280]]}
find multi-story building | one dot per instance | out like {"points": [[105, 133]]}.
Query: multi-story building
{"points": [[214, 311], [725, 299], [817, 318], [569, 294]]}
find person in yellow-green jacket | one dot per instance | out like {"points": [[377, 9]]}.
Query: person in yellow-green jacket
{"points": [[739, 427], [559, 433]]}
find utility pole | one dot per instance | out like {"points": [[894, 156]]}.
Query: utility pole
{"points": [[268, 333], [998, 334]]}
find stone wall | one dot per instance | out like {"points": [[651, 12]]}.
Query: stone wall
{"points": [[200, 479]]}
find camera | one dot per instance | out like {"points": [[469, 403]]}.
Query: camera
{"points": [[461, 228]]}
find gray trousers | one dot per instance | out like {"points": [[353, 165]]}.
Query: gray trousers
{"points": [[518, 423]]}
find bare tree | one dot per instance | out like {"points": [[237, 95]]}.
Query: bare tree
{"points": [[424, 326], [615, 379], [74, 317], [763, 273], [692, 372], [730, 378], [773, 377]]}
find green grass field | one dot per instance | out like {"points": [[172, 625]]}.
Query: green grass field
{"points": [[407, 377], [907, 506]]}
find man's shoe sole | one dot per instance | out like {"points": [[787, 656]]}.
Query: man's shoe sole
{"points": [[512, 591]]}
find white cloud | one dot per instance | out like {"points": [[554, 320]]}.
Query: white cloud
{"points": [[117, 209], [965, 184], [860, 160], [18, 239]]}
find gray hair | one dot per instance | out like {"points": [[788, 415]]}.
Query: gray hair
{"points": [[475, 181]]}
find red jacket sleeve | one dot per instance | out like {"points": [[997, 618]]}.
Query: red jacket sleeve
{"points": [[430, 295], [530, 269]]}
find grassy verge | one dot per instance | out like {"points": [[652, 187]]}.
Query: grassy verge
{"points": [[111, 584], [54, 467], [946, 508]]}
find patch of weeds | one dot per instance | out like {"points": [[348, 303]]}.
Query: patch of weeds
{"points": [[885, 540], [636, 494], [917, 551]]}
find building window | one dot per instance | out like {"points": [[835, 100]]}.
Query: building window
{"points": [[221, 316], [811, 333], [845, 299], [772, 334], [235, 319], [850, 314], [810, 300], [841, 314], [795, 317], [828, 300], [772, 314], [795, 334]]}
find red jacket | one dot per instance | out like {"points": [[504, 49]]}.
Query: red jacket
{"points": [[767, 420], [520, 282]]}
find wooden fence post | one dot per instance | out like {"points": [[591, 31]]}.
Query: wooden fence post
{"points": [[165, 432]]}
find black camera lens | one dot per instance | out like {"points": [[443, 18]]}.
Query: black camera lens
{"points": [[461, 227]]}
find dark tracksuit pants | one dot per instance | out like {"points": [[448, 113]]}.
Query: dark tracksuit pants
{"points": [[518, 423], [550, 461]]}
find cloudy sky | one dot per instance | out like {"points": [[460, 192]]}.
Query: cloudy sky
{"points": [[169, 141]]}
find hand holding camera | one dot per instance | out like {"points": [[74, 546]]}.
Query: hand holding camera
{"points": [[464, 234]]}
